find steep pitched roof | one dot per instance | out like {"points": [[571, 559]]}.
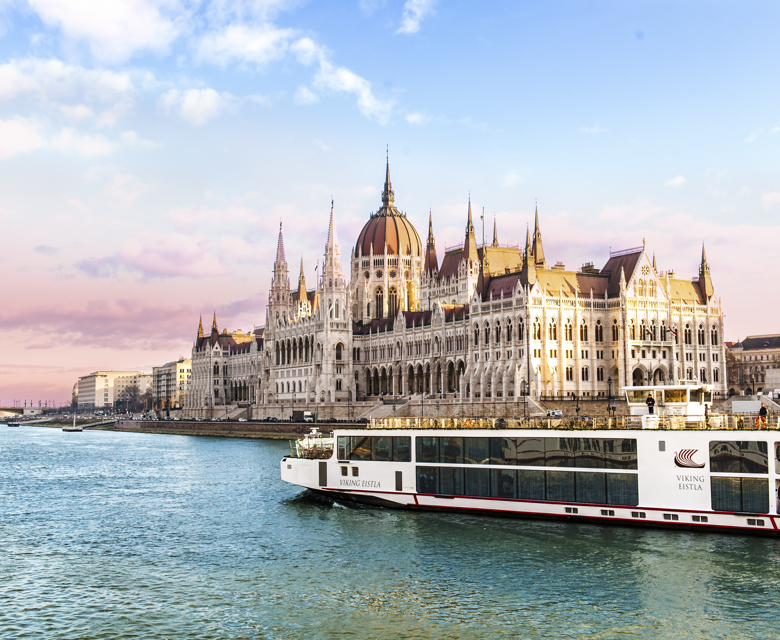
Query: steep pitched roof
{"points": [[627, 260]]}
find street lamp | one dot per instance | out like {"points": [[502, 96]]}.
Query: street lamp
{"points": [[525, 398], [609, 399]]}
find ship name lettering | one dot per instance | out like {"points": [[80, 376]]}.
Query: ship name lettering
{"points": [[690, 483]]}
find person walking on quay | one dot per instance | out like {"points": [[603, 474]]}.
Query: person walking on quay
{"points": [[650, 402], [761, 418]]}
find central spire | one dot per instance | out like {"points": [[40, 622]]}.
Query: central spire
{"points": [[280, 247], [388, 197]]}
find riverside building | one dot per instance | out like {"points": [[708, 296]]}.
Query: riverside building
{"points": [[475, 332]]}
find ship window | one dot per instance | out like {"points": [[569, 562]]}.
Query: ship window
{"points": [[427, 449], [360, 448], [623, 489], [355, 471], [477, 482], [402, 449], [559, 452], [344, 471], [452, 450], [738, 457], [451, 481], [504, 483], [591, 487], [477, 450], [377, 448], [740, 494], [427, 479], [530, 485], [382, 448], [560, 486]]}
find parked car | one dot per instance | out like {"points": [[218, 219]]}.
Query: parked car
{"points": [[242, 419]]}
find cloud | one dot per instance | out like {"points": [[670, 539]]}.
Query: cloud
{"points": [[341, 80], [770, 199], [89, 146], [114, 30], [45, 250], [594, 129], [126, 187], [677, 181], [417, 118], [196, 106], [415, 11], [511, 179], [147, 258], [305, 96], [368, 7], [240, 43], [71, 91], [131, 139], [19, 136], [753, 136]]}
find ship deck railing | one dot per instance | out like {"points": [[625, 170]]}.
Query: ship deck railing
{"points": [[712, 422]]}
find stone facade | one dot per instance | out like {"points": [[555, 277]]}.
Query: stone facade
{"points": [[487, 326]]}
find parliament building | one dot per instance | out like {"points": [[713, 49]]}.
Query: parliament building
{"points": [[479, 332]]}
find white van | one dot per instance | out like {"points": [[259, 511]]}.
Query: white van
{"points": [[308, 416]]}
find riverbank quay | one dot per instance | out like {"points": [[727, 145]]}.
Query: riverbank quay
{"points": [[226, 429]]}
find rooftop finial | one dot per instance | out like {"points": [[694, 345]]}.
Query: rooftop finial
{"points": [[388, 197]]}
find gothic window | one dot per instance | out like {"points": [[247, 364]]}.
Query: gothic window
{"points": [[701, 335], [567, 331], [570, 373], [702, 375], [687, 335], [509, 331], [583, 332], [651, 289], [498, 332], [689, 374], [337, 309], [487, 333], [615, 331], [553, 330], [632, 331], [716, 375], [520, 330], [599, 331], [663, 331], [585, 373], [339, 349], [476, 335], [640, 288], [380, 302], [643, 330], [600, 374], [354, 311], [392, 302], [216, 369], [537, 330], [652, 330], [338, 385]]}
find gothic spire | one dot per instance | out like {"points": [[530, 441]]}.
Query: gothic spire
{"points": [[388, 197], [705, 280], [214, 323], [538, 248], [495, 233], [200, 327], [470, 243], [280, 247], [333, 239], [302, 285], [431, 260], [529, 262]]}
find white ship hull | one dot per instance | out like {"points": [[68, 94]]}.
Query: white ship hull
{"points": [[702, 479]]}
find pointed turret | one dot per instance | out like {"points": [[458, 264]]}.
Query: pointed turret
{"points": [[301, 285], [495, 232], [470, 243], [333, 238], [705, 280], [529, 264], [538, 250], [214, 324], [200, 327], [431, 260], [388, 197], [280, 247], [654, 267], [331, 266]]}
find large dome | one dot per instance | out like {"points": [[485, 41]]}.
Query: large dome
{"points": [[389, 225]]}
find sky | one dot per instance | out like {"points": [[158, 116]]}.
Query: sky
{"points": [[150, 148]]}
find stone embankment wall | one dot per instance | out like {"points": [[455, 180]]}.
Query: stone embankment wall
{"points": [[277, 430]]}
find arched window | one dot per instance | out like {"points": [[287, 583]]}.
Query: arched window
{"points": [[599, 331], [643, 330], [537, 329], [652, 330], [583, 332], [702, 375], [498, 332], [700, 335], [392, 302], [615, 331], [509, 334], [552, 330], [585, 374], [632, 331], [338, 385], [689, 373], [640, 288], [368, 309], [487, 333], [687, 335], [380, 302], [568, 333], [339, 349], [216, 369], [337, 309], [476, 335], [651, 289], [663, 331], [520, 330], [714, 337]]}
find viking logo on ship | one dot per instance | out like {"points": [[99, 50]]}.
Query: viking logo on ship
{"points": [[684, 458]]}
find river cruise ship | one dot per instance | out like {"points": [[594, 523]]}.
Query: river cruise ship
{"points": [[680, 467]]}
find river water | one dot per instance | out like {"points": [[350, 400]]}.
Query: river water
{"points": [[116, 535]]}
